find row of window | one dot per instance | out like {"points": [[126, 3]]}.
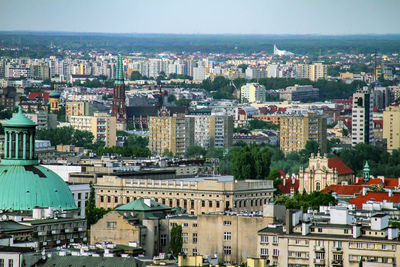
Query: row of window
{"points": [[10, 263]]}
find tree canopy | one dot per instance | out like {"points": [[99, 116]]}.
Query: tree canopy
{"points": [[66, 136], [305, 200], [251, 162], [176, 240]]}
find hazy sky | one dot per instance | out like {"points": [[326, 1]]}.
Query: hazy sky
{"points": [[203, 16]]}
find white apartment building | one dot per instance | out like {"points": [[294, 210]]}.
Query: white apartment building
{"points": [[362, 124]]}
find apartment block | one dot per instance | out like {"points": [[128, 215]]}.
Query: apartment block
{"points": [[295, 131], [391, 127], [167, 133], [77, 108], [362, 124], [336, 243], [252, 92], [299, 93], [103, 127], [209, 130], [312, 72]]}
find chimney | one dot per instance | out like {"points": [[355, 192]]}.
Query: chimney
{"points": [[305, 228], [390, 192], [288, 221], [356, 231]]}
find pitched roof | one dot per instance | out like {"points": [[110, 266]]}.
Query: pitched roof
{"points": [[346, 190], [38, 95], [289, 185], [386, 182], [376, 196], [140, 205], [341, 168]]}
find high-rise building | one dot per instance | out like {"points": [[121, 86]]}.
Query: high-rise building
{"points": [[312, 72], [252, 92], [362, 123], [208, 131], [118, 105], [102, 126], [167, 133], [391, 127], [77, 108], [296, 130]]}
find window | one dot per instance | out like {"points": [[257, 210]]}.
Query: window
{"points": [[264, 239], [319, 230], [297, 241], [194, 238], [384, 246], [10, 263], [346, 231], [210, 203], [185, 225], [195, 253], [264, 252], [337, 244], [317, 186], [185, 251], [217, 203], [359, 245], [195, 225], [163, 240], [203, 203], [1, 262], [227, 236], [101, 198], [320, 255], [276, 252], [226, 223], [184, 237], [227, 250], [108, 199], [275, 240], [111, 225], [298, 254]]}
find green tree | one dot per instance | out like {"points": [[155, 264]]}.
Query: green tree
{"points": [[82, 138], [135, 75], [251, 162], [195, 151], [93, 214], [176, 240], [305, 201]]}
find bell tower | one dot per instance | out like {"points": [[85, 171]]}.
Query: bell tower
{"points": [[118, 104]]}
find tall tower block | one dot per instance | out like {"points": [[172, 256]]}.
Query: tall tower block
{"points": [[118, 106]]}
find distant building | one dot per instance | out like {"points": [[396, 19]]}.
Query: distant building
{"points": [[278, 52], [391, 127], [77, 108], [8, 97], [295, 131], [101, 125], [312, 72], [253, 73], [362, 123], [118, 109], [43, 119], [323, 172], [252, 92], [167, 133], [299, 93]]}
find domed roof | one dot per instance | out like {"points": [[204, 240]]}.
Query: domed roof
{"points": [[26, 187], [19, 120], [54, 94]]}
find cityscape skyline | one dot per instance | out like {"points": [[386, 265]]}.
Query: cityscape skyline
{"points": [[206, 17]]}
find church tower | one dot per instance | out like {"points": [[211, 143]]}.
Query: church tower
{"points": [[118, 104]]}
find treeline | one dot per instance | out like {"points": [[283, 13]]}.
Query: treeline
{"points": [[134, 146], [68, 136], [304, 200]]}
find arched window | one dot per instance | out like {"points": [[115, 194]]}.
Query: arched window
{"points": [[317, 186]]}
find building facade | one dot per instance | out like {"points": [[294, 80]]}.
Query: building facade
{"points": [[77, 108], [196, 195], [295, 131], [362, 124], [103, 127], [391, 127], [167, 133], [252, 92]]}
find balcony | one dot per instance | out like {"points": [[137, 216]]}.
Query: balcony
{"points": [[337, 263], [319, 261]]}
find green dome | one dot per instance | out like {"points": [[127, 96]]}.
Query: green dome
{"points": [[55, 94], [26, 187], [19, 120]]}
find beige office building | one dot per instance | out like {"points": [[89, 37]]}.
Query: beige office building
{"points": [[101, 125], [77, 108], [167, 133], [195, 195], [391, 127], [295, 131]]}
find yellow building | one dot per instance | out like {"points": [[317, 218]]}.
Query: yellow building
{"points": [[312, 72], [167, 133], [295, 131], [346, 76], [54, 101], [391, 127], [252, 92], [101, 125], [77, 108]]}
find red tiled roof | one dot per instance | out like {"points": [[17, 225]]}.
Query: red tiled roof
{"points": [[38, 95], [348, 190], [341, 168], [375, 196], [389, 182], [289, 186]]}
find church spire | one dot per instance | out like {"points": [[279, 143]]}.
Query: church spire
{"points": [[119, 74]]}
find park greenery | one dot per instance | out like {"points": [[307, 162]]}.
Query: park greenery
{"points": [[306, 200], [134, 146], [256, 124], [67, 136], [251, 162]]}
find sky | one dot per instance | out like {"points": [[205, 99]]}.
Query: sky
{"points": [[328, 17]]}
